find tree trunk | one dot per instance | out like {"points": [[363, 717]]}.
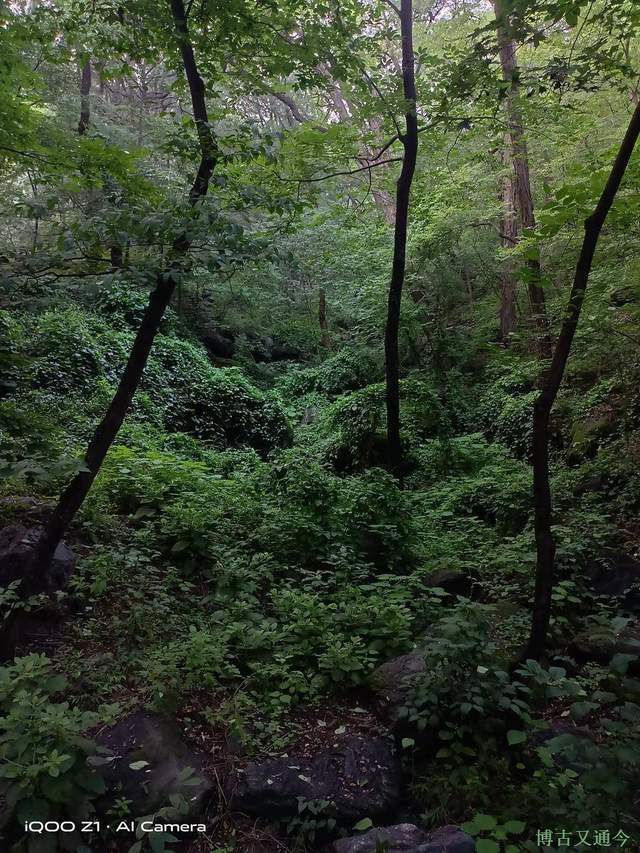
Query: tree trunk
{"points": [[545, 546], [520, 159], [85, 93], [508, 239], [403, 190], [77, 490], [325, 337]]}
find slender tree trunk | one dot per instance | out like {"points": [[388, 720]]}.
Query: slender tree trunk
{"points": [[545, 545], [325, 337], [520, 160], [403, 190], [85, 97], [75, 493], [508, 239]]}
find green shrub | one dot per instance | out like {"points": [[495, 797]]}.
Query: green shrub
{"points": [[44, 773]]}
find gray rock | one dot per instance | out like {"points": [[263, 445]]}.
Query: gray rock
{"points": [[359, 778], [392, 681], [407, 838], [145, 737], [16, 551]]}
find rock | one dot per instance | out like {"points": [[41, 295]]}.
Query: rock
{"points": [[281, 352], [267, 350], [407, 838], [16, 550], [615, 574], [220, 343], [592, 485], [360, 778], [149, 738], [28, 510], [392, 681], [448, 839], [451, 581]]}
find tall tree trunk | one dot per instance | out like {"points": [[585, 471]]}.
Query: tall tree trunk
{"points": [[409, 140], [545, 545], [520, 160], [325, 337], [75, 493], [85, 97], [508, 239]]}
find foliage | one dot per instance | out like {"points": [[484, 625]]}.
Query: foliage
{"points": [[44, 749]]}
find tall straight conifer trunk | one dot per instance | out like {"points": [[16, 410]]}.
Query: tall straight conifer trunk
{"points": [[409, 141], [545, 544], [73, 496], [519, 154]]}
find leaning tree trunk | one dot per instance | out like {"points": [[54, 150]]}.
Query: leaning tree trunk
{"points": [[508, 239], [409, 140], [545, 545], [520, 159], [75, 493]]}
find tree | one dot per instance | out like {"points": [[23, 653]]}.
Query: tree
{"points": [[508, 239], [519, 157], [73, 496], [409, 140], [545, 544]]}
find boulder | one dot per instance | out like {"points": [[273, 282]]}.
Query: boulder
{"points": [[16, 550], [450, 580], [359, 778], [392, 681], [616, 574], [407, 838], [220, 344], [147, 760]]}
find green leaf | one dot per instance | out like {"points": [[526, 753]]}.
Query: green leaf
{"points": [[485, 822], [581, 709], [486, 845], [138, 765], [514, 827], [365, 823], [408, 742], [514, 737]]}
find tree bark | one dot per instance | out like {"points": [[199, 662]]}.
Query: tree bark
{"points": [[85, 97], [520, 159], [325, 337], [75, 493], [508, 239], [409, 141], [545, 545]]}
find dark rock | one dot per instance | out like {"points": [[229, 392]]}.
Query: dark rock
{"points": [[616, 574], [592, 485], [145, 737], [448, 839], [27, 510], [360, 778], [16, 550], [220, 344], [392, 681], [451, 581], [407, 838], [280, 352], [267, 350], [623, 296]]}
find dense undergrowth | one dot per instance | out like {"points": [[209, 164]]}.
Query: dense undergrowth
{"points": [[245, 558], [243, 555]]}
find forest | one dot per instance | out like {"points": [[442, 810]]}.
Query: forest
{"points": [[319, 426]]}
